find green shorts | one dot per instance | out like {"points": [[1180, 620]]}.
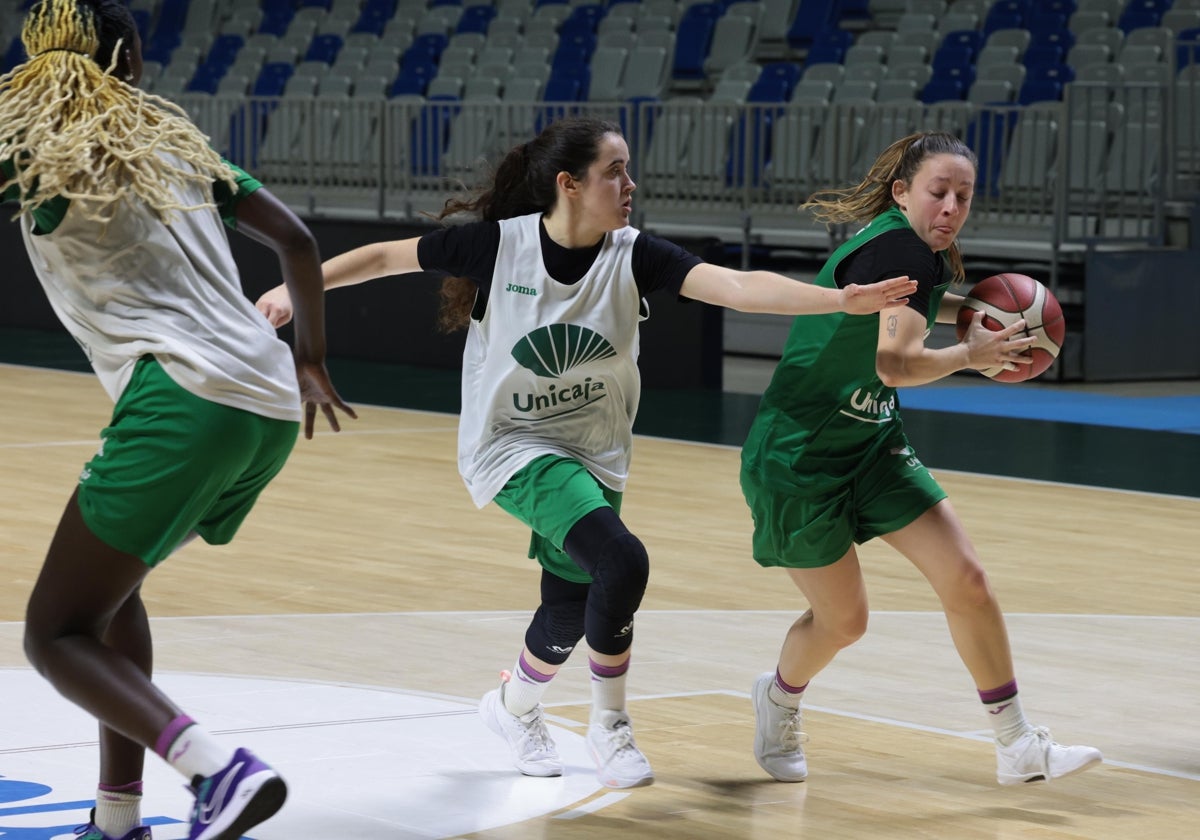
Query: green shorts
{"points": [[172, 463], [550, 495], [806, 530]]}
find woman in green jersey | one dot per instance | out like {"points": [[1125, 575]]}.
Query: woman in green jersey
{"points": [[551, 284], [827, 465], [120, 204]]}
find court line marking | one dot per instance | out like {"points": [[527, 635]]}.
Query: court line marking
{"points": [[601, 801], [498, 615]]}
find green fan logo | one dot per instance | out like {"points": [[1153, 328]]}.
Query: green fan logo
{"points": [[552, 351], [557, 348]]}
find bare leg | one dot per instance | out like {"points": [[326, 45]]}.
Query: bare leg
{"points": [[82, 590], [938, 546], [836, 618], [121, 760]]}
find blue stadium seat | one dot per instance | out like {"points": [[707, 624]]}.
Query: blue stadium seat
{"points": [[431, 133], [987, 135], [812, 18], [272, 79], [324, 47], [1187, 49], [247, 128], [1043, 55], [693, 40], [829, 47], [1006, 14], [1142, 13], [223, 50], [413, 80], [970, 40], [1061, 73], [943, 89], [14, 55], [583, 19], [1061, 38], [952, 56], [573, 50], [568, 83], [475, 19], [206, 79], [1039, 90]]}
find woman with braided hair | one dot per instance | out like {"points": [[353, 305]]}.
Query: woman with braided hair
{"points": [[550, 284], [121, 203]]}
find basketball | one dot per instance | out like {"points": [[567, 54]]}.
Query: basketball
{"points": [[1005, 299]]}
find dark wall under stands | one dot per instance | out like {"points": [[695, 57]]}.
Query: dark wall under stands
{"points": [[393, 320]]}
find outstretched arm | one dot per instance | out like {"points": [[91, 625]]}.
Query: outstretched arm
{"points": [[265, 219], [379, 259], [766, 291]]}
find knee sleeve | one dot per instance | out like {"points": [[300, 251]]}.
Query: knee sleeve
{"points": [[618, 583], [558, 624]]}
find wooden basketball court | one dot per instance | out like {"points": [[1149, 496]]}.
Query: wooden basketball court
{"points": [[366, 564]]}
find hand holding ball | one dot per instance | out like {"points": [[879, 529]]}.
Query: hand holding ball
{"points": [[1005, 299]]}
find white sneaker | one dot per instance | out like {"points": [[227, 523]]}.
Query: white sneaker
{"points": [[534, 753], [1035, 758], [619, 763], [777, 735]]}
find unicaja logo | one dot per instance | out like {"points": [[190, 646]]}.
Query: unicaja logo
{"points": [[552, 351]]}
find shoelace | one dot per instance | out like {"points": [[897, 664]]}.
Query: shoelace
{"points": [[620, 738], [536, 734], [790, 734]]}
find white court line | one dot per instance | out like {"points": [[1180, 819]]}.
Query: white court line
{"points": [[482, 616], [602, 801]]}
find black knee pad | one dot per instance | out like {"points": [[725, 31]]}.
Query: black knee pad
{"points": [[618, 584], [558, 624], [621, 573]]}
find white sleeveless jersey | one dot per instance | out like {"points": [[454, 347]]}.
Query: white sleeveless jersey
{"points": [[551, 369], [139, 286]]}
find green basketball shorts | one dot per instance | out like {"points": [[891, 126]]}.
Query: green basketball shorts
{"points": [[551, 494], [171, 463], [816, 528]]}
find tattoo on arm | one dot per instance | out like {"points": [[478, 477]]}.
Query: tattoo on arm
{"points": [[891, 326]]}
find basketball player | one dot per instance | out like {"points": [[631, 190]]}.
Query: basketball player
{"points": [[827, 465], [551, 287], [121, 202]]}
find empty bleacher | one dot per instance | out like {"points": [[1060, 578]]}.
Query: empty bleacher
{"points": [[1083, 112]]}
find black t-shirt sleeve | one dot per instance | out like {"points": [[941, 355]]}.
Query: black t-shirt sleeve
{"points": [[895, 253], [659, 264], [462, 251]]}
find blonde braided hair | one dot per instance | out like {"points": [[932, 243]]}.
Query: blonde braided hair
{"points": [[73, 129]]}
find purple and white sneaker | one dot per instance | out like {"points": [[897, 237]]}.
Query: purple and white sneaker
{"points": [[241, 796]]}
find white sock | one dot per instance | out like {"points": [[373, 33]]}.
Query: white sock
{"points": [[782, 694], [196, 753], [1007, 719], [608, 686], [525, 688], [118, 812]]}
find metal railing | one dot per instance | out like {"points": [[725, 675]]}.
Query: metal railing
{"points": [[1055, 178]]}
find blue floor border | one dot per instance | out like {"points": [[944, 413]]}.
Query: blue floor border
{"points": [[1180, 414]]}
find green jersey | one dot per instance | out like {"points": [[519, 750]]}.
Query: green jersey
{"points": [[826, 410]]}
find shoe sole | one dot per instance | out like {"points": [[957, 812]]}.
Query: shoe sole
{"points": [[489, 719], [760, 745], [1041, 780], [263, 805]]}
